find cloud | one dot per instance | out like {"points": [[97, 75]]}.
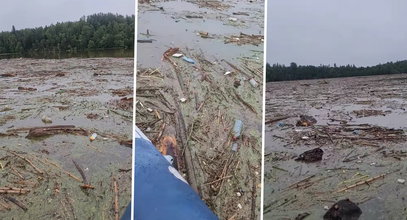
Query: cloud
{"points": [[35, 13], [362, 32]]}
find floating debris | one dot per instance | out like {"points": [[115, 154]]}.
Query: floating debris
{"points": [[193, 16], [245, 39], [189, 60], [253, 82], [306, 121], [343, 210], [26, 89], [145, 41], [237, 129], [302, 216], [241, 13], [93, 137], [46, 120], [177, 55], [309, 156]]}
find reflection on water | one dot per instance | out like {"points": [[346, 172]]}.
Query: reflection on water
{"points": [[76, 54]]}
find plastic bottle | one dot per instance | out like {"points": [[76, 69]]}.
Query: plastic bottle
{"points": [[93, 137], [234, 147], [237, 129]]}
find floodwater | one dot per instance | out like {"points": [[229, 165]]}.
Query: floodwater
{"points": [[229, 182], [171, 28], [85, 93], [356, 146]]}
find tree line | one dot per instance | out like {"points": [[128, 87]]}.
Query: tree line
{"points": [[97, 31], [278, 72]]}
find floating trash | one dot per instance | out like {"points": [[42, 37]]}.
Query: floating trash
{"points": [[189, 60]]}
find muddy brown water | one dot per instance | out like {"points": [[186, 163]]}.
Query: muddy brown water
{"points": [[67, 91], [336, 99]]}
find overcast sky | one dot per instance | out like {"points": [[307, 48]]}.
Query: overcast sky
{"points": [[35, 13], [360, 32]]}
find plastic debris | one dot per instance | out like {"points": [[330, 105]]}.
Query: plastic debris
{"points": [[93, 137], [253, 82], [177, 55], [237, 129], [46, 119], [233, 19], [189, 60], [402, 181], [169, 158], [182, 100], [234, 147], [227, 73], [356, 132], [239, 206]]}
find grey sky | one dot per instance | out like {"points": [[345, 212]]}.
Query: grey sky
{"points": [[360, 32], [35, 13]]}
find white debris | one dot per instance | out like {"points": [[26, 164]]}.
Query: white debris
{"points": [[183, 100], [326, 207], [239, 206], [227, 73], [253, 82], [402, 181], [238, 194], [93, 137], [177, 55], [169, 158], [46, 119], [232, 19]]}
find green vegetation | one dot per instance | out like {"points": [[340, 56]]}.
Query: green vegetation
{"points": [[98, 31], [279, 72]]}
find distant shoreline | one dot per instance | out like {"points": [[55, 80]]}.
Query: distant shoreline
{"points": [[277, 72]]}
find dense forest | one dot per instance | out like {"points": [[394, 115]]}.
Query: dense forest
{"points": [[278, 72], [98, 31]]}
